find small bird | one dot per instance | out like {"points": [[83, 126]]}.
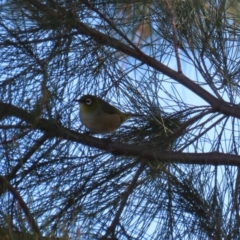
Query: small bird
{"points": [[99, 116]]}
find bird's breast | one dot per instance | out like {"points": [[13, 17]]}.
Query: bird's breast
{"points": [[100, 122]]}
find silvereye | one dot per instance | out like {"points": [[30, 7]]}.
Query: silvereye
{"points": [[99, 116]]}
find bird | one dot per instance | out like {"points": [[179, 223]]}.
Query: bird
{"points": [[99, 116]]}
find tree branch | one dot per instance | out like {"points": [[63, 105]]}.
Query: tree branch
{"points": [[218, 105], [120, 149]]}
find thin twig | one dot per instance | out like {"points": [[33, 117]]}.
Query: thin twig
{"points": [[16, 195], [125, 196], [39, 142], [89, 5], [202, 133], [175, 41]]}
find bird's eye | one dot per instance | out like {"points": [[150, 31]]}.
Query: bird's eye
{"points": [[88, 101]]}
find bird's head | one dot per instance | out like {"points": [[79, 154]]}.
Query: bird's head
{"points": [[89, 103]]}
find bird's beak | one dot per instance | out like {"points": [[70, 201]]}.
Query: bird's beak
{"points": [[76, 100]]}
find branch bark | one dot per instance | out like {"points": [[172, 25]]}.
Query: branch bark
{"points": [[217, 105], [117, 148]]}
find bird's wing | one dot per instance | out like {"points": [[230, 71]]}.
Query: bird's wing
{"points": [[106, 107]]}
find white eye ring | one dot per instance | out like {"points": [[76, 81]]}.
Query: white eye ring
{"points": [[88, 101]]}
